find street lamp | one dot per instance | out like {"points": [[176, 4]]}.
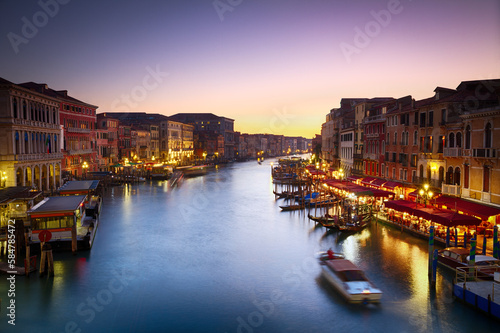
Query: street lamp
{"points": [[341, 174], [85, 167], [425, 193]]}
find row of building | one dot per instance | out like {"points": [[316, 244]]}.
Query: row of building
{"points": [[449, 141], [46, 135]]}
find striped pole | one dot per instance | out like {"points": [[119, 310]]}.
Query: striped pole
{"points": [[448, 237], [472, 253], [431, 250]]}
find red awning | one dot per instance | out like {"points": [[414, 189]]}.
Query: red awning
{"points": [[392, 185], [445, 217], [367, 180], [413, 194], [354, 178], [378, 182], [468, 207]]}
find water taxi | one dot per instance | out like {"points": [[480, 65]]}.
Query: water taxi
{"points": [[455, 257], [350, 281]]}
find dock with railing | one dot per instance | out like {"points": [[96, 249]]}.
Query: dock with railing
{"points": [[480, 294]]}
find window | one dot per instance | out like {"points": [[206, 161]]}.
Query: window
{"points": [[487, 136], [451, 141], [486, 179], [415, 138], [395, 138], [431, 118], [422, 119], [459, 140], [466, 176], [440, 144], [467, 137], [443, 116]]}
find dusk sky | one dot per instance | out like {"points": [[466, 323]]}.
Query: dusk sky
{"points": [[272, 66]]}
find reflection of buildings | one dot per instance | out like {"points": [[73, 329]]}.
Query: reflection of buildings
{"points": [[30, 138]]}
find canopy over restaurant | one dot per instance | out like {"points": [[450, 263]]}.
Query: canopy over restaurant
{"points": [[444, 217], [483, 212], [357, 189]]}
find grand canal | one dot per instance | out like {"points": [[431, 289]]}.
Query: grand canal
{"points": [[217, 255]]}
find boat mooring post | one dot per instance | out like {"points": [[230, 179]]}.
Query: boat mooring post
{"points": [[484, 243], [472, 255], [496, 246], [465, 239], [456, 237], [46, 259], [431, 250], [447, 236], [434, 268]]}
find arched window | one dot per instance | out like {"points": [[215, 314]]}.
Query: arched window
{"points": [[467, 137], [421, 171], [449, 176], [487, 136], [451, 141], [457, 176], [459, 140]]}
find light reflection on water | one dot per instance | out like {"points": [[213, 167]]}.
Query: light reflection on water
{"points": [[216, 254]]}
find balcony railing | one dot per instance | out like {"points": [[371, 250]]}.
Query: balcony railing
{"points": [[452, 152], [79, 151], [41, 156], [78, 130], [450, 189], [432, 182], [484, 152], [35, 123]]}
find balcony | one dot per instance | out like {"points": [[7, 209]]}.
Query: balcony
{"points": [[35, 123], [484, 153], [452, 152], [432, 182], [38, 157], [78, 130], [79, 151], [450, 189], [358, 156]]}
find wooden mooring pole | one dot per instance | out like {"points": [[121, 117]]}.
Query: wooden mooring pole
{"points": [[46, 260]]}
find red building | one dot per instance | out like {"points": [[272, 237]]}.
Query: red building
{"points": [[78, 122]]}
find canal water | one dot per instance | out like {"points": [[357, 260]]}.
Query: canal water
{"points": [[217, 255]]}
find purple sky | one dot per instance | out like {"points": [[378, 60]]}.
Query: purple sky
{"points": [[273, 66]]}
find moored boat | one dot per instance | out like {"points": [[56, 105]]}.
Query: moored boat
{"points": [[350, 281], [291, 207], [455, 257]]}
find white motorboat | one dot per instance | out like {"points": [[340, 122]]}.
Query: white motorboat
{"points": [[350, 281]]}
